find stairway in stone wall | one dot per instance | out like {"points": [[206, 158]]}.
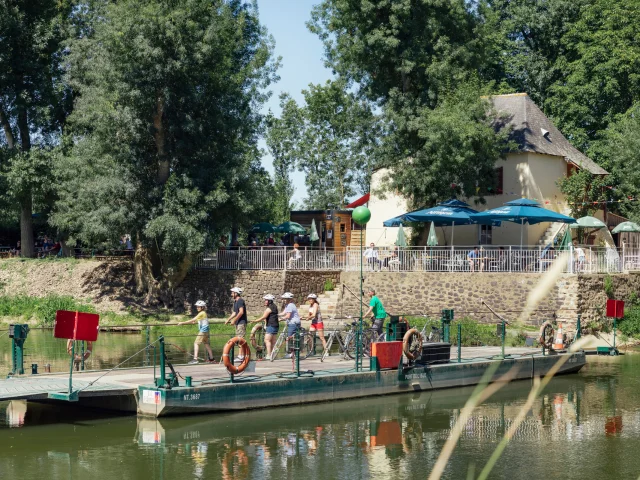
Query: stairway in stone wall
{"points": [[328, 301], [549, 234]]}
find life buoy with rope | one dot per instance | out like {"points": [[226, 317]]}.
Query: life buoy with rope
{"points": [[254, 342], [78, 356], [547, 334], [409, 341], [245, 352]]}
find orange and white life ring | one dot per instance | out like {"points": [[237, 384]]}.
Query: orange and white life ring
{"points": [[254, 341], [545, 340], [408, 340], [78, 356], [245, 352]]}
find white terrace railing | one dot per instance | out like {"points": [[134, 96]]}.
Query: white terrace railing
{"points": [[583, 259]]}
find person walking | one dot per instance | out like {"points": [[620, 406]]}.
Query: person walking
{"points": [[291, 316], [203, 331], [316, 318], [371, 254], [376, 311], [270, 315], [239, 316]]}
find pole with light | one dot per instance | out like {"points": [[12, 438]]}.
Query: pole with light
{"points": [[361, 216]]}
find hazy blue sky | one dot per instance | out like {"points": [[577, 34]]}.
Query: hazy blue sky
{"points": [[302, 63]]}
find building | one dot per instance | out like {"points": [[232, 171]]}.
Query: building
{"points": [[543, 157]]}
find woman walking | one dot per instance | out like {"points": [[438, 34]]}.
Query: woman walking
{"points": [[270, 315], [291, 316], [316, 318]]}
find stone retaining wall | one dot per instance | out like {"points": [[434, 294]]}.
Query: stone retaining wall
{"points": [[418, 293], [592, 297]]}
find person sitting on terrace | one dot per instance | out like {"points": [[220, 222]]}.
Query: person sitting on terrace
{"points": [[295, 255], [392, 258], [371, 254], [475, 260]]}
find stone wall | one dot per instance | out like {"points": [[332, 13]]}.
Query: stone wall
{"points": [[213, 287], [302, 283], [428, 293], [592, 297]]}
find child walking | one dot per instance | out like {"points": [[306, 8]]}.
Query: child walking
{"points": [[203, 331]]}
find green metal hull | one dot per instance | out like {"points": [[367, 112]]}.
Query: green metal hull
{"points": [[243, 395]]}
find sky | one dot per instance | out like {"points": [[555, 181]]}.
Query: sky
{"points": [[302, 61]]}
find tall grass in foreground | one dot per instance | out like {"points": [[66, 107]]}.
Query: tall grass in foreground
{"points": [[484, 390]]}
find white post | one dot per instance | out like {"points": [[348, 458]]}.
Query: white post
{"points": [[540, 257], [622, 267], [571, 259], [510, 259]]}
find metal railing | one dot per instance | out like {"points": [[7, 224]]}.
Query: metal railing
{"points": [[503, 259]]}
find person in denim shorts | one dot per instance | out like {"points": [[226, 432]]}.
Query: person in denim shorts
{"points": [[270, 315]]}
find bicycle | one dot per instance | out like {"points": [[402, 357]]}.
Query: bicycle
{"points": [[306, 344], [347, 341]]}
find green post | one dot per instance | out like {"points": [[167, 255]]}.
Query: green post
{"points": [[233, 356], [73, 354], [147, 340], [315, 338], [82, 357], [297, 350], [459, 342], [18, 334], [579, 327], [615, 325], [161, 382], [504, 329], [360, 215], [445, 321]]}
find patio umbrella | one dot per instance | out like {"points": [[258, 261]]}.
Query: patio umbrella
{"points": [[566, 240], [263, 227], [401, 241], [432, 239], [314, 233], [626, 227], [290, 227], [523, 211], [584, 223]]}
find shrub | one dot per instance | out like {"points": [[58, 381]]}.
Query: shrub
{"points": [[41, 309], [328, 285], [630, 324]]}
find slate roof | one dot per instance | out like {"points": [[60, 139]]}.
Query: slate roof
{"points": [[528, 121]]}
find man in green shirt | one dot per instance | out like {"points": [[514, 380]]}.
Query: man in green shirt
{"points": [[376, 310]]}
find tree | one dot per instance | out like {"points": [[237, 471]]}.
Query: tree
{"points": [[584, 192], [165, 130], [332, 138], [34, 100]]}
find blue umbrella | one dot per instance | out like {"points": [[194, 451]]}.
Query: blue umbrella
{"points": [[523, 211]]}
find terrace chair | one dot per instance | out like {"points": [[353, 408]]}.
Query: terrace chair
{"points": [[455, 264]]}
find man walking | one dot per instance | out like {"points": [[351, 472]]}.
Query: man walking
{"points": [[239, 315], [376, 311]]}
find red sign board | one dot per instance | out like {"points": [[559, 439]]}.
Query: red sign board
{"points": [[76, 325], [388, 353], [615, 308]]}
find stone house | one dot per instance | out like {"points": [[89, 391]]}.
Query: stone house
{"points": [[543, 157]]}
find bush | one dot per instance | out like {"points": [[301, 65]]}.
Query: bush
{"points": [[41, 309], [328, 285], [630, 324]]}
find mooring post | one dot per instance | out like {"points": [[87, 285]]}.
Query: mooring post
{"points": [[578, 327], [73, 355], [162, 380], [82, 357], [18, 334], [459, 342], [297, 350]]}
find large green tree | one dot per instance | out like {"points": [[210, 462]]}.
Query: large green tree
{"points": [[332, 139], [34, 101], [165, 129]]}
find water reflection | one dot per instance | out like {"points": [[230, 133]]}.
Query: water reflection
{"points": [[576, 426]]}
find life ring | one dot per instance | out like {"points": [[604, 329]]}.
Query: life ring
{"points": [[543, 339], [244, 351], [408, 341], [228, 460], [78, 357], [254, 341]]}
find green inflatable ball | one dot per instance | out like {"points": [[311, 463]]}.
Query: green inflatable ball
{"points": [[361, 215]]}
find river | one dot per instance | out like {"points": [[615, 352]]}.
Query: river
{"points": [[584, 426]]}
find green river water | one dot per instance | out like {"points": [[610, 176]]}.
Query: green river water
{"points": [[584, 426]]}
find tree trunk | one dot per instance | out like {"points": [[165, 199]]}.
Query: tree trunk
{"points": [[26, 228], [8, 133], [160, 139]]}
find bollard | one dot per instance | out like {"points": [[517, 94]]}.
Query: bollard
{"points": [[579, 327], [187, 381], [47, 368], [34, 369], [447, 317]]}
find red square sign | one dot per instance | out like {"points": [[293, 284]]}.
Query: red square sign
{"points": [[615, 308], [76, 325]]}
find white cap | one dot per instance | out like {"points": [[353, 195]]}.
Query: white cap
{"points": [[269, 297], [312, 295], [237, 290], [200, 303], [287, 295]]}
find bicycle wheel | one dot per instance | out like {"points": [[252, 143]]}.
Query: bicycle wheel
{"points": [[257, 341], [370, 336], [306, 345], [350, 345]]}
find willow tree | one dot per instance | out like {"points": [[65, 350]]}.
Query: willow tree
{"points": [[164, 130]]}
